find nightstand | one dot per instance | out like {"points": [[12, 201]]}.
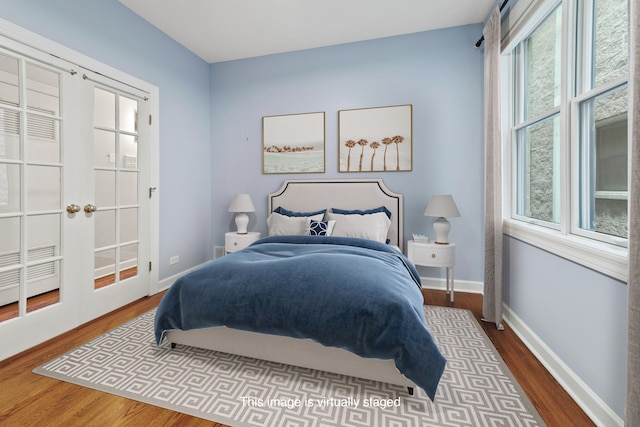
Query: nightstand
{"points": [[434, 255], [234, 241]]}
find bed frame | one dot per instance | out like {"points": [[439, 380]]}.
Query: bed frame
{"points": [[310, 195]]}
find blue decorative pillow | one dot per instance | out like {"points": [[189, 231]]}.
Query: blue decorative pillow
{"points": [[362, 212], [321, 228], [286, 212]]}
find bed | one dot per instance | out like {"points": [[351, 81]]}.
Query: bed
{"points": [[243, 303]]}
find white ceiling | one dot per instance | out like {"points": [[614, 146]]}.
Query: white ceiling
{"points": [[223, 30]]}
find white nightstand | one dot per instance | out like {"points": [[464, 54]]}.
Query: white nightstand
{"points": [[234, 241], [434, 255]]}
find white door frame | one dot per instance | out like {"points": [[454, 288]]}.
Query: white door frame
{"points": [[27, 43]]}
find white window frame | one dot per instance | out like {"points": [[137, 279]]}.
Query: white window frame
{"points": [[596, 251]]}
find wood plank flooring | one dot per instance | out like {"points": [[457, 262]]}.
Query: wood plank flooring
{"points": [[27, 399], [9, 311]]}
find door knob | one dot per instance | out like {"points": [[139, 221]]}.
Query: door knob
{"points": [[73, 208], [89, 208]]}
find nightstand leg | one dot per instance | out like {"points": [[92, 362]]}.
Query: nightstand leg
{"points": [[446, 269], [450, 282]]}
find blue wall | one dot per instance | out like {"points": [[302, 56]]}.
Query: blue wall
{"points": [[438, 72], [581, 315], [109, 32]]}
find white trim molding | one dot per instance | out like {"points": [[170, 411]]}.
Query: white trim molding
{"points": [[164, 284], [605, 258], [458, 285], [591, 404]]}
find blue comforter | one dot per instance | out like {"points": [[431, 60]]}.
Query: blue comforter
{"points": [[356, 294]]}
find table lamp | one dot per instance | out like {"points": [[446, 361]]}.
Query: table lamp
{"points": [[442, 206], [240, 204]]}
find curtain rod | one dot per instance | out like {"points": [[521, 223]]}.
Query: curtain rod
{"points": [[479, 42]]}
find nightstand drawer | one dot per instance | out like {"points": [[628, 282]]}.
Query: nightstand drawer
{"points": [[432, 254], [234, 241]]}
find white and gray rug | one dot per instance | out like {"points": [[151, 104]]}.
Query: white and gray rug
{"points": [[476, 389]]}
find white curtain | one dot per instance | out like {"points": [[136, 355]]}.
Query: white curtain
{"points": [[492, 300], [632, 411]]}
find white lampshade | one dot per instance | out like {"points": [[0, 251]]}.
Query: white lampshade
{"points": [[240, 204], [442, 206]]}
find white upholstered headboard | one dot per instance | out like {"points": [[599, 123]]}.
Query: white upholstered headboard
{"points": [[311, 195]]}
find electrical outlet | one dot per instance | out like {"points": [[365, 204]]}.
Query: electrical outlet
{"points": [[174, 260]]}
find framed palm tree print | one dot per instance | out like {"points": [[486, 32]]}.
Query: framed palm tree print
{"points": [[377, 139], [293, 143]]}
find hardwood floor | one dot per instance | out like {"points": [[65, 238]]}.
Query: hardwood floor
{"points": [[28, 399], [9, 311]]}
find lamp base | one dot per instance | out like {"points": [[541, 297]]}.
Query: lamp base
{"points": [[441, 227], [242, 220]]}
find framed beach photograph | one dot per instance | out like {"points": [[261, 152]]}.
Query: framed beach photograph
{"points": [[375, 139], [293, 143]]}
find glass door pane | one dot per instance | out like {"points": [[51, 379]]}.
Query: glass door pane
{"points": [[30, 167], [116, 187]]}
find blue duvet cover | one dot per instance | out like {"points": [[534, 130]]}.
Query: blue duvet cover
{"points": [[356, 294]]}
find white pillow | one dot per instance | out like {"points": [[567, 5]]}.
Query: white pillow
{"points": [[371, 226], [282, 225]]}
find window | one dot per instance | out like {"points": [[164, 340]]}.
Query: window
{"points": [[567, 124], [538, 128], [603, 164]]}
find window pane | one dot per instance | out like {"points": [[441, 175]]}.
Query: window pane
{"points": [[43, 139], [9, 87], [10, 242], [43, 188], [128, 225], [128, 188], [10, 188], [611, 40], [128, 115], [43, 90], [9, 134], [104, 150], [542, 78], [603, 164], [105, 188], [43, 238], [128, 261], [105, 229], [104, 262], [104, 113], [43, 285], [128, 152], [537, 171]]}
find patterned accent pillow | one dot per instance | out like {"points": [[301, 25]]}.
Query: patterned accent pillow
{"points": [[321, 228]]}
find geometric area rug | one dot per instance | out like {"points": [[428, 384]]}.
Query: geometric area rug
{"points": [[476, 389]]}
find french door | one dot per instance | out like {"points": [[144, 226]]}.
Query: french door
{"points": [[74, 198]]}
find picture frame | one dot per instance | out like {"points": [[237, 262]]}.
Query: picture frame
{"points": [[377, 139], [293, 143]]}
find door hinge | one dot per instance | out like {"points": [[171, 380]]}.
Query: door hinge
{"points": [[151, 190], [149, 119], [149, 265]]}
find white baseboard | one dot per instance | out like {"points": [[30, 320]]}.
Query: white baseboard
{"points": [[165, 283], [590, 403], [458, 285]]}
